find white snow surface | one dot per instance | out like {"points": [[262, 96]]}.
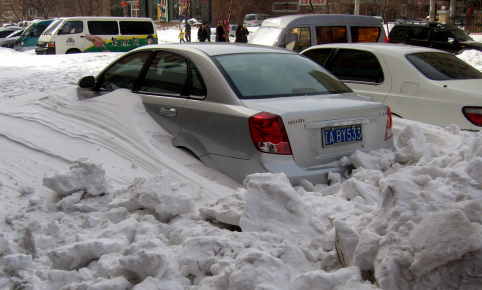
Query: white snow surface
{"points": [[93, 196]]}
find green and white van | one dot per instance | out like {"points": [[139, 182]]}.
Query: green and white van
{"points": [[96, 34]]}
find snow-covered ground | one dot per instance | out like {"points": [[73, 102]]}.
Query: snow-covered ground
{"points": [[93, 196]]}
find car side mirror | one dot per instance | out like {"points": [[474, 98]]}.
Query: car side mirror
{"points": [[87, 82], [451, 40]]}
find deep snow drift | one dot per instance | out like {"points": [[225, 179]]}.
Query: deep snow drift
{"points": [[94, 196]]}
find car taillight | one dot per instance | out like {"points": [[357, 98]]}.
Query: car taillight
{"points": [[269, 134], [473, 114], [387, 40], [388, 130]]}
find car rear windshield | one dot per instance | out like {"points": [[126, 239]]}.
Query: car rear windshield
{"points": [[443, 66], [270, 75]]}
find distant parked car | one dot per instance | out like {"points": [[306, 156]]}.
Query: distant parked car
{"points": [[243, 109], [446, 37], [9, 41], [6, 31], [255, 19], [421, 84]]}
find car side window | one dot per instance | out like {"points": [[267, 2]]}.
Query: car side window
{"points": [[365, 34], [398, 31], [419, 33], [319, 55], [331, 34], [297, 39], [167, 74], [441, 36], [124, 73], [197, 85], [356, 65]]}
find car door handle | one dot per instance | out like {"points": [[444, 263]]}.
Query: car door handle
{"points": [[82, 36], [168, 112]]}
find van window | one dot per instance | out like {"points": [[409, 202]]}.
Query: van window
{"points": [[124, 72], [331, 34], [356, 65], [365, 34], [103, 27], [71, 27], [136, 27], [297, 39], [250, 17]]}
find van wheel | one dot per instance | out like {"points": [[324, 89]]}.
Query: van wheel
{"points": [[73, 50]]}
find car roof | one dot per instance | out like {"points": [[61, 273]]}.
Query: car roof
{"points": [[386, 48], [213, 49], [283, 21]]}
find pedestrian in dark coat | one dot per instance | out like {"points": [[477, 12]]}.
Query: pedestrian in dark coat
{"points": [[220, 36], [202, 33], [188, 32], [208, 27], [239, 34]]}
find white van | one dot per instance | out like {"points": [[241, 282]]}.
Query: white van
{"points": [[298, 32], [96, 34], [255, 19]]}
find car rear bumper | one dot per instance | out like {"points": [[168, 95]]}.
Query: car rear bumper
{"points": [[238, 169]]}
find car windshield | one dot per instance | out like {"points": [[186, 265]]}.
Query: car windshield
{"points": [[53, 26], [29, 29], [266, 36], [270, 75], [443, 66], [460, 35]]}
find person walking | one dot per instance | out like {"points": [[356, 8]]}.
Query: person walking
{"points": [[208, 27], [220, 36], [245, 33], [181, 36], [202, 33], [188, 32]]}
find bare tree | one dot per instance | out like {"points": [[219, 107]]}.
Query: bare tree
{"points": [[20, 9], [46, 8]]}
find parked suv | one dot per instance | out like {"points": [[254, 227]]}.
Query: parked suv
{"points": [[445, 37]]}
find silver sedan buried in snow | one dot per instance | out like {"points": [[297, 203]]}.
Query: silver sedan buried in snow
{"points": [[244, 109]]}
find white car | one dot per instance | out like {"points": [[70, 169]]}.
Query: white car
{"points": [[417, 83]]}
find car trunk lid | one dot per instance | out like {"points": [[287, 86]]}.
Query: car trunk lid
{"points": [[323, 129]]}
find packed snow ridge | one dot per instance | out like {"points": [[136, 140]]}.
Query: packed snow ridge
{"points": [[409, 219]]}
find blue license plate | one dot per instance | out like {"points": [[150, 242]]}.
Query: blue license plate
{"points": [[341, 135]]}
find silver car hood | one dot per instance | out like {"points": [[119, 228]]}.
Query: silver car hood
{"points": [[305, 118]]}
